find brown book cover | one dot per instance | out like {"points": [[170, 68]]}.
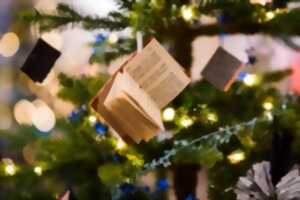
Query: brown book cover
{"points": [[222, 69]]}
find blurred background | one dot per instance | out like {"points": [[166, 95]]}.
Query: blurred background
{"points": [[17, 40]]}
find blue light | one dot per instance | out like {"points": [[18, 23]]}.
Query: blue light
{"points": [[242, 76], [101, 128], [162, 184]]}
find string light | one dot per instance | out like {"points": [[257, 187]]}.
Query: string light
{"points": [[212, 117], [269, 115], [186, 121], [92, 120], [121, 144], [236, 157], [267, 105], [187, 12], [270, 15], [168, 114], [9, 167], [38, 170], [9, 44], [250, 80], [261, 2]]}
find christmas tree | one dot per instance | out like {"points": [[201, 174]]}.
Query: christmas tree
{"points": [[222, 133]]}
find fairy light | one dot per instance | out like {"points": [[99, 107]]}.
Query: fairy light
{"points": [[9, 166], [38, 170], [269, 115], [10, 169], [268, 105], [270, 15], [261, 2], [121, 144], [186, 121], [187, 12], [212, 117], [250, 80], [92, 119], [168, 114], [236, 157]]}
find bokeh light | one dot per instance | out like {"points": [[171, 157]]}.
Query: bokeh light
{"points": [[23, 112], [168, 114], [9, 44]]}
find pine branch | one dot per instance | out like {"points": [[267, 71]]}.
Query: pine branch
{"points": [[66, 15]]}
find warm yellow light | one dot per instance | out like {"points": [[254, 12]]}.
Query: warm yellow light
{"points": [[186, 121], [187, 13], [270, 15], [236, 157], [212, 117], [10, 169], [121, 144], [269, 115], [23, 112], [262, 2], [267, 105], [92, 119], [169, 114], [113, 38], [9, 44], [43, 118], [250, 80], [38, 170]]}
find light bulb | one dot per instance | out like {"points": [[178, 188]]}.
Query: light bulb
{"points": [[92, 120], [121, 144], [212, 117], [169, 114], [236, 157], [267, 105], [10, 169], [186, 121], [187, 13], [270, 15], [250, 80], [38, 170]]}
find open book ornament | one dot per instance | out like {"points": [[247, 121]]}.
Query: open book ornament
{"points": [[131, 100], [40, 61], [257, 185], [222, 69]]}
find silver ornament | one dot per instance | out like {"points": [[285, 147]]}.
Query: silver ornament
{"points": [[257, 185]]}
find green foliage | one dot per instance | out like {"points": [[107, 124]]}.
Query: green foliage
{"points": [[79, 91], [77, 158], [105, 52], [66, 15]]}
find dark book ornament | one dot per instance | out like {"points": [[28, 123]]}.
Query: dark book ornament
{"points": [[222, 69], [40, 61]]}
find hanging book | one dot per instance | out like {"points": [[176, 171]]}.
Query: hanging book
{"points": [[131, 100], [40, 61], [222, 69]]}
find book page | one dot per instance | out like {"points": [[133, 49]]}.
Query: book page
{"points": [[125, 84], [157, 73], [134, 122], [98, 104]]}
